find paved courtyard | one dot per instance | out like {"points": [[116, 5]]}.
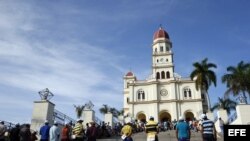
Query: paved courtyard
{"points": [[163, 136]]}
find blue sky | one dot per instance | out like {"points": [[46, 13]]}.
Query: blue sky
{"points": [[81, 49]]}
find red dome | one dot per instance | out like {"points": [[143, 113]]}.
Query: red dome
{"points": [[161, 33], [130, 74]]}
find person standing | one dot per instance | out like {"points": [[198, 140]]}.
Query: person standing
{"points": [[221, 123], [78, 131], [152, 130], [208, 130], [44, 131], [182, 130], [65, 133], [33, 136], [54, 132], [3, 129], [25, 134], [92, 132], [14, 133], [127, 131]]}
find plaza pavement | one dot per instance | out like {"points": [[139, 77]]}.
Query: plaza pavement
{"points": [[163, 136]]}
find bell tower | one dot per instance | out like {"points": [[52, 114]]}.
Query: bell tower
{"points": [[162, 56]]}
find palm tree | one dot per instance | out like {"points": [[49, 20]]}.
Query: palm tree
{"points": [[79, 110], [105, 109], [121, 112], [115, 112], [226, 104], [204, 77], [237, 79], [248, 80]]}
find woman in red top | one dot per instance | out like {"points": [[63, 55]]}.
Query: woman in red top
{"points": [[65, 133]]}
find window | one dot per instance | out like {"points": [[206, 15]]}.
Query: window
{"points": [[167, 48], [168, 74], [161, 48], [157, 75], [162, 75], [187, 93], [155, 49], [157, 61], [127, 99], [202, 96], [140, 95]]}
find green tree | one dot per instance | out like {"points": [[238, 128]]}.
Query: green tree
{"points": [[204, 77], [237, 79], [224, 103], [79, 110]]}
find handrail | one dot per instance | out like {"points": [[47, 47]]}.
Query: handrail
{"points": [[62, 118]]}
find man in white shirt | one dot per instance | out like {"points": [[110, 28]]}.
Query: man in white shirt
{"points": [[54, 132]]}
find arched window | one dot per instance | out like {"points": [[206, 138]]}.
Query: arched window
{"points": [[140, 95], [157, 60], [168, 74], [187, 93], [155, 49], [162, 75], [157, 75]]}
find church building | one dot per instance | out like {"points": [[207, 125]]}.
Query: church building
{"points": [[165, 95]]}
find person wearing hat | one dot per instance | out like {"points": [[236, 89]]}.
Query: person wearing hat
{"points": [[208, 130], [127, 131], [44, 131], [78, 131], [54, 132], [182, 130], [152, 130]]}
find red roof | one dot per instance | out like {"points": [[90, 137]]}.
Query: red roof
{"points": [[161, 33], [130, 74]]}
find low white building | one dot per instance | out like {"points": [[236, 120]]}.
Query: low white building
{"points": [[164, 94]]}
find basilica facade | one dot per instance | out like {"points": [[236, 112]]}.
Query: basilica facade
{"points": [[165, 95]]}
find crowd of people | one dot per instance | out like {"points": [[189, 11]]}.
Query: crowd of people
{"points": [[17, 133], [57, 132], [182, 128], [92, 131]]}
